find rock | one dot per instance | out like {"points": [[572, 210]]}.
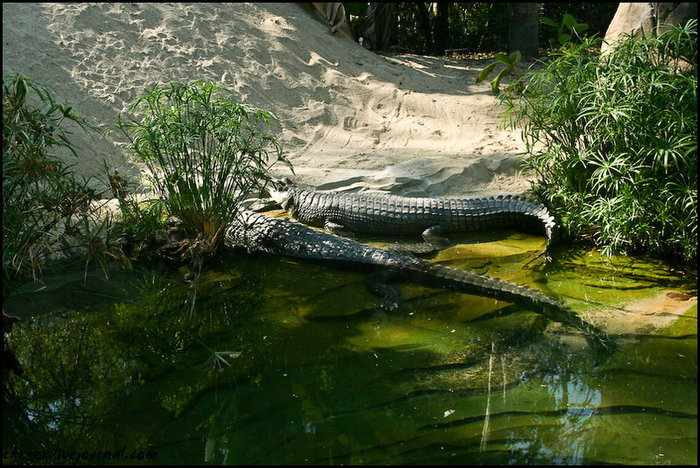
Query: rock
{"points": [[649, 18], [652, 315], [679, 296]]}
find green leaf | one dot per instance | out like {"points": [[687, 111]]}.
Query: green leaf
{"points": [[497, 81], [21, 90], [549, 22], [486, 72], [501, 57], [580, 27], [514, 57], [569, 21], [616, 135], [198, 139], [494, 86]]}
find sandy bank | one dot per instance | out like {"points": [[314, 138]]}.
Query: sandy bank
{"points": [[350, 119]]}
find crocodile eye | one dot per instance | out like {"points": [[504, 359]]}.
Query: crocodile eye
{"points": [[281, 184]]}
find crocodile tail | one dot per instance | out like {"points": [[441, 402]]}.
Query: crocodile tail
{"points": [[523, 296], [534, 211]]}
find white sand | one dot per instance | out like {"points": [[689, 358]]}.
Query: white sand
{"points": [[350, 119]]}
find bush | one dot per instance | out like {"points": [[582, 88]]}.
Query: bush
{"points": [[43, 203], [140, 219], [613, 140], [204, 151]]}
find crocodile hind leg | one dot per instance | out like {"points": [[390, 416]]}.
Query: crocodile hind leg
{"points": [[433, 243], [433, 236], [376, 283]]}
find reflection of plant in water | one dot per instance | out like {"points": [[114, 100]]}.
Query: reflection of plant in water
{"points": [[316, 392], [78, 370]]}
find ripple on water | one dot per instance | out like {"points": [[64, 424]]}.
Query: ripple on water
{"points": [[266, 360]]}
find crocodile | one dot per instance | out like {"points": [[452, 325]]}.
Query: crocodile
{"points": [[257, 232], [371, 213]]}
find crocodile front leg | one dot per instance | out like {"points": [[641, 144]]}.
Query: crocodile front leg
{"points": [[338, 229], [433, 236]]}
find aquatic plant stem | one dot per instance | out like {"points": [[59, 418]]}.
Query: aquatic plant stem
{"points": [[487, 413]]}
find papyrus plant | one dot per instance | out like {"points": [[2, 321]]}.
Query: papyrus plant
{"points": [[205, 152], [48, 211], [613, 140]]}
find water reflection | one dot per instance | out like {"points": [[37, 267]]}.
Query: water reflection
{"points": [[269, 361]]}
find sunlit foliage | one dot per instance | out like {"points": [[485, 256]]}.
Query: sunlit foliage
{"points": [[613, 140]]}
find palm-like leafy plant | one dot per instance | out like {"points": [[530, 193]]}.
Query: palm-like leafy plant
{"points": [[205, 152], [613, 140], [43, 202], [509, 69]]}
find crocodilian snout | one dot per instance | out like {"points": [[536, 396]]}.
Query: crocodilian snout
{"points": [[279, 190], [281, 184]]}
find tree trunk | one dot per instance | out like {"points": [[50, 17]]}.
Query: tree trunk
{"points": [[523, 30], [485, 42], [441, 31], [367, 29], [385, 26], [424, 24]]}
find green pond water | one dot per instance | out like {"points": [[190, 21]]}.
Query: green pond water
{"points": [[268, 360]]}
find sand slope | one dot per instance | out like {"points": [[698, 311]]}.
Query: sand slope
{"points": [[350, 119]]}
